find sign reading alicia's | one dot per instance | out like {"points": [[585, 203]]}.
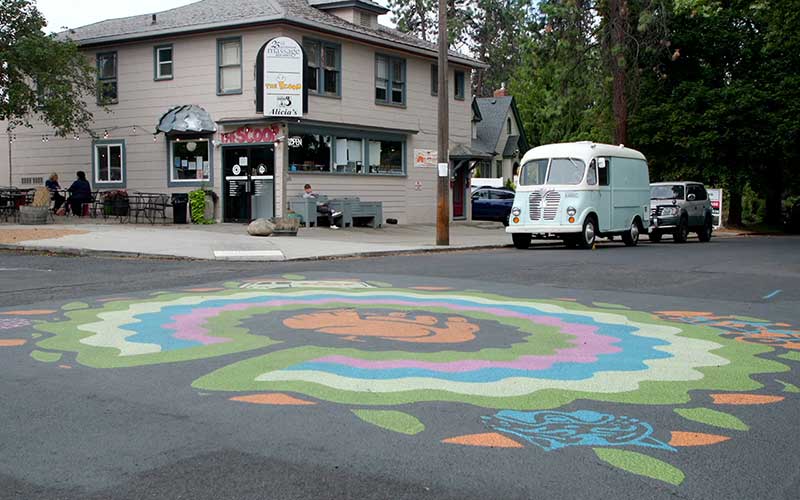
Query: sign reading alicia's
{"points": [[283, 77]]}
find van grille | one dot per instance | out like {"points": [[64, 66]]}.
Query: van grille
{"points": [[535, 203], [551, 201], [546, 208]]}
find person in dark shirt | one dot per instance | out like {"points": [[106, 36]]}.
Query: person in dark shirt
{"points": [[80, 192], [54, 187], [322, 208]]}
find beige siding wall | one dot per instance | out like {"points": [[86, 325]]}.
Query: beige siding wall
{"points": [[142, 101]]}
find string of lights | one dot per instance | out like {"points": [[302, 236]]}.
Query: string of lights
{"points": [[104, 133]]}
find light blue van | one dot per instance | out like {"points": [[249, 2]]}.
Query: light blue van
{"points": [[580, 191]]}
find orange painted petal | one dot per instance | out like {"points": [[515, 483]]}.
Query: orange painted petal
{"points": [[66, 367], [488, 439], [681, 439], [685, 314], [745, 399], [31, 312], [783, 325], [12, 342], [272, 399]]}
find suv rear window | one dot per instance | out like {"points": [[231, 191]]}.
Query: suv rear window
{"points": [[674, 192]]}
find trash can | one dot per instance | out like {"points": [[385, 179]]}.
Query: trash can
{"points": [[179, 203]]}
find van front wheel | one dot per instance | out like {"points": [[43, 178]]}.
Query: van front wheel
{"points": [[631, 237], [588, 236], [521, 241]]}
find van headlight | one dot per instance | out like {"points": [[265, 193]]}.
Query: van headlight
{"points": [[516, 211], [669, 211], [571, 211]]}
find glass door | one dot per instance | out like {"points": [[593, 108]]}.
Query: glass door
{"points": [[248, 186]]}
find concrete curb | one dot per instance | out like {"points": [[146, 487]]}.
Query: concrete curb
{"points": [[82, 252]]}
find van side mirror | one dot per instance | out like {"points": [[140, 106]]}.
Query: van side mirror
{"points": [[691, 197], [601, 163]]}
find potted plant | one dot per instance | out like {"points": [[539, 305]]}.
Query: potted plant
{"points": [[116, 203]]}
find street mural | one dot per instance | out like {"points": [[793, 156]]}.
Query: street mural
{"points": [[540, 369]]}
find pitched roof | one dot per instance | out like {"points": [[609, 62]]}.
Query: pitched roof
{"points": [[511, 147], [210, 15], [494, 111], [363, 4]]}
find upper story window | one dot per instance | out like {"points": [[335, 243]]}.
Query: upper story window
{"points": [[163, 62], [508, 126], [434, 79], [324, 67], [390, 80], [107, 91], [459, 85], [229, 66]]}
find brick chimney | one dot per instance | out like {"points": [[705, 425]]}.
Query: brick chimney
{"points": [[502, 91]]}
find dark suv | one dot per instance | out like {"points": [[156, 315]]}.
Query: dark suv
{"points": [[678, 208]]}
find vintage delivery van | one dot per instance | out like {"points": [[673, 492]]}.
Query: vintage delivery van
{"points": [[581, 191]]}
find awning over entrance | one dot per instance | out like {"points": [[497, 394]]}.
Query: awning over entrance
{"points": [[187, 119], [461, 152]]}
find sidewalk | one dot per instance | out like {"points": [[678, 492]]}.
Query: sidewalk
{"points": [[231, 241]]}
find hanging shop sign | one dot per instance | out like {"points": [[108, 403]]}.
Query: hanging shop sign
{"points": [[280, 77], [250, 135]]}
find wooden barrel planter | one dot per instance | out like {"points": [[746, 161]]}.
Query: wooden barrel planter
{"points": [[30, 216]]}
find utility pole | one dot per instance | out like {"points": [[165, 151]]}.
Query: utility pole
{"points": [[10, 142], [443, 182]]}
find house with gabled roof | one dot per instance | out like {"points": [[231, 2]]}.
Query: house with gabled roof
{"points": [[185, 93], [500, 133]]}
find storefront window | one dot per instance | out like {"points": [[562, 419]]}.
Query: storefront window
{"points": [[310, 153], [385, 157], [189, 160], [346, 152]]}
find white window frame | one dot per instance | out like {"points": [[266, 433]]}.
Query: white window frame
{"points": [[172, 143], [107, 146], [159, 62]]}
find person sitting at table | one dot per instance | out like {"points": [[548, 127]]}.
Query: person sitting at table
{"points": [[322, 208], [55, 191], [80, 193]]}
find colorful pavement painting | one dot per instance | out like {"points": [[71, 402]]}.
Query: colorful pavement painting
{"points": [[371, 345]]}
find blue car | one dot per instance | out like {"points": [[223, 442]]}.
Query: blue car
{"points": [[492, 204]]}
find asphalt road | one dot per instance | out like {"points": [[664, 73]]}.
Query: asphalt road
{"points": [[446, 376]]}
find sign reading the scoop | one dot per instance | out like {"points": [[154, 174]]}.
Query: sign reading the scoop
{"points": [[281, 70]]}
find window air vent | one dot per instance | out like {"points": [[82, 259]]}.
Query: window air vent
{"points": [[32, 181]]}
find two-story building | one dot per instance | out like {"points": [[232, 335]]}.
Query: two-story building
{"points": [[498, 132], [182, 90]]}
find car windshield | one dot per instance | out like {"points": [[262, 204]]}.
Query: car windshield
{"points": [[674, 192], [561, 171]]}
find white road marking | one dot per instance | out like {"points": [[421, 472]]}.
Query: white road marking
{"points": [[249, 255]]}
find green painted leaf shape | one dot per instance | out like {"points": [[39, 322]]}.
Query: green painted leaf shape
{"points": [[643, 465], [296, 277], [712, 417], [787, 387], [73, 306], [395, 421], [46, 357], [794, 356]]}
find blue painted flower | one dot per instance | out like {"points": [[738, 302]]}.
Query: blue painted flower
{"points": [[551, 430]]}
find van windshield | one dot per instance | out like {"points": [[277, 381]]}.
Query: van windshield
{"points": [[674, 192], [561, 171]]}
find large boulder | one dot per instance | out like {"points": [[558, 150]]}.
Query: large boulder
{"points": [[260, 227]]}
